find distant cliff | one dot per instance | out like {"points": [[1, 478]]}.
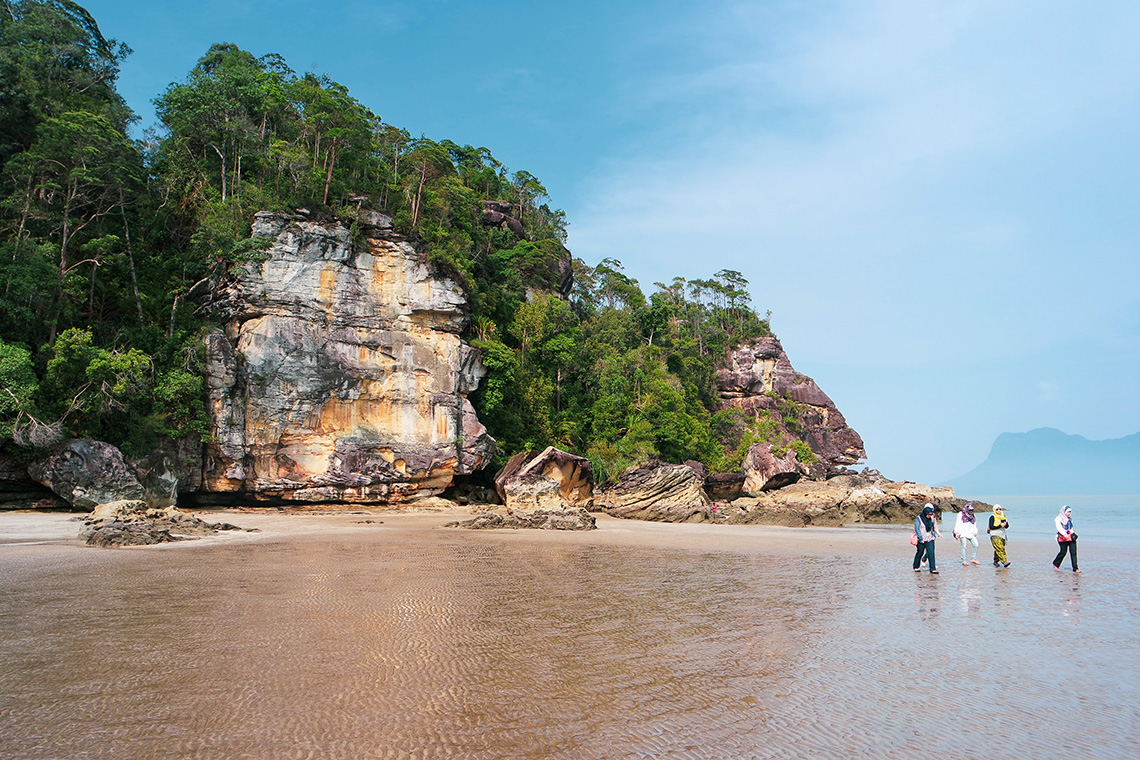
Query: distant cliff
{"points": [[1047, 461]]}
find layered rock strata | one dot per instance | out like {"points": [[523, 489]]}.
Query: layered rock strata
{"points": [[759, 380], [549, 480], [657, 491], [340, 376]]}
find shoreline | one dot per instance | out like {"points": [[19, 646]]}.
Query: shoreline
{"points": [[52, 532]]}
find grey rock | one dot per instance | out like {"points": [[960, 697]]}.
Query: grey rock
{"points": [[86, 473]]}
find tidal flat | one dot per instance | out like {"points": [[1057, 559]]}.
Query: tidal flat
{"points": [[387, 636]]}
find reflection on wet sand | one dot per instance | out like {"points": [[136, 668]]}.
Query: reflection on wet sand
{"points": [[453, 644]]}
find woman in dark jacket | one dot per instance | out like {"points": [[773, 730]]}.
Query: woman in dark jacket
{"points": [[926, 528]]}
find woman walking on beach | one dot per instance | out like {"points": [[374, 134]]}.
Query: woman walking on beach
{"points": [[998, 526], [966, 531], [1066, 539], [927, 530]]}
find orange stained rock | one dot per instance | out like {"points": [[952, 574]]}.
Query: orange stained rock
{"points": [[329, 278]]}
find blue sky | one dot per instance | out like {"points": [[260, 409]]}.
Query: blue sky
{"points": [[938, 201]]}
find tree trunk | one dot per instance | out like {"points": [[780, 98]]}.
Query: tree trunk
{"points": [[131, 256]]}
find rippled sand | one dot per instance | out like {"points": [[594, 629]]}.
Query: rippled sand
{"points": [[329, 637]]}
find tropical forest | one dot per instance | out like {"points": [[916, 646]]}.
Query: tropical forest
{"points": [[112, 235]]}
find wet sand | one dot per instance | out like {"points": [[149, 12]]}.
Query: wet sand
{"points": [[329, 636]]}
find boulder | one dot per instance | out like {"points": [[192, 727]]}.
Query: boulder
{"points": [[548, 480], [130, 522], [658, 491], [339, 376], [174, 467], [759, 379], [764, 471], [86, 473], [540, 519], [724, 486]]}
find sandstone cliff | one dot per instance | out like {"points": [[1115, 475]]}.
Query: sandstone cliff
{"points": [[339, 375], [759, 380]]}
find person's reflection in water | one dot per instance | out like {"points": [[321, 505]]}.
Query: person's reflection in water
{"points": [[1071, 598], [928, 598]]}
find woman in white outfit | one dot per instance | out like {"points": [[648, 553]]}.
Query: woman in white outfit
{"points": [[966, 531]]}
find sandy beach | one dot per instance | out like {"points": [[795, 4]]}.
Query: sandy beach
{"points": [[384, 635]]}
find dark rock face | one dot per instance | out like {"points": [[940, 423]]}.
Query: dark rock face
{"points": [[548, 480], [758, 377], [174, 468], [340, 376], [541, 519], [658, 491], [499, 214], [725, 486], [87, 473]]}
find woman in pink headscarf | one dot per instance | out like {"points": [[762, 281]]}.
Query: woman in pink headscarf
{"points": [[1066, 539]]}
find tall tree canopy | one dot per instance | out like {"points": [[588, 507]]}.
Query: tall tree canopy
{"points": [[107, 247]]}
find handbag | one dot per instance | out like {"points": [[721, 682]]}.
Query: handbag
{"points": [[914, 539]]}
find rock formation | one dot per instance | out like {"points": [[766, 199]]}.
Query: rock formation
{"points": [[548, 480], [87, 473], [340, 376], [541, 519], [657, 491], [764, 471], [132, 523], [759, 379]]}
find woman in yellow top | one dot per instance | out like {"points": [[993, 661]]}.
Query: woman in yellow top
{"points": [[998, 526]]}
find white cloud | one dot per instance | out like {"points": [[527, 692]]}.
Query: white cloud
{"points": [[910, 172]]}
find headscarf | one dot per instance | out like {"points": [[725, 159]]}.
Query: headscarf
{"points": [[1066, 519], [928, 517], [968, 513], [999, 515]]}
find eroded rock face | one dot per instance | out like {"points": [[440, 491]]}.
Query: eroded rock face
{"points": [[658, 491], [86, 473], [759, 377], [340, 376], [842, 499], [764, 471], [548, 480]]}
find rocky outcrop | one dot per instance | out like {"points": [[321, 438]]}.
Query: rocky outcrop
{"points": [[340, 376], [846, 498], [657, 491], [541, 519], [724, 486], [759, 380], [502, 214], [764, 471], [87, 473], [132, 523], [548, 480]]}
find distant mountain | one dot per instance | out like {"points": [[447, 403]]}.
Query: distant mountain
{"points": [[1047, 461]]}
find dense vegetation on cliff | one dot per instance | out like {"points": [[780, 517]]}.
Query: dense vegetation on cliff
{"points": [[108, 247]]}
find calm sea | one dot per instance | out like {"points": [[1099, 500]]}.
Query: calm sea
{"points": [[1114, 518]]}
